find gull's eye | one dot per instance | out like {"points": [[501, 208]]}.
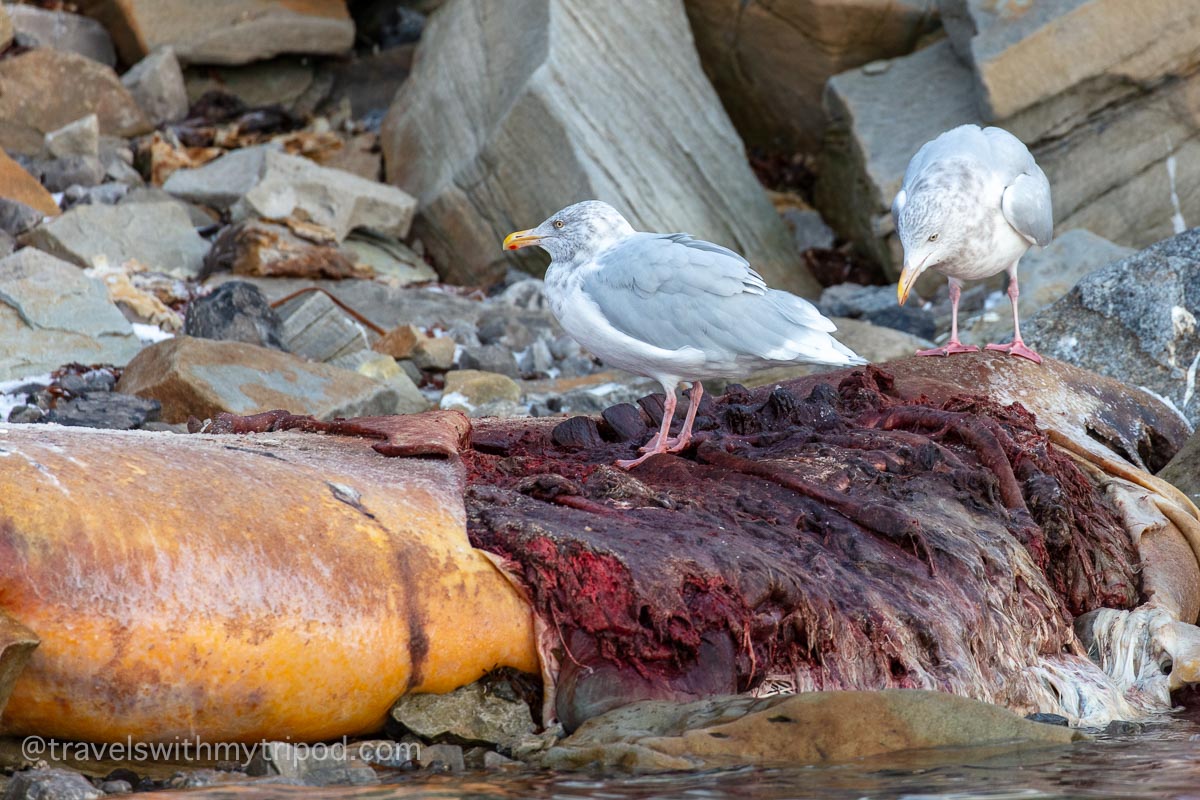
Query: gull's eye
{"points": [[933, 237], [558, 223]]}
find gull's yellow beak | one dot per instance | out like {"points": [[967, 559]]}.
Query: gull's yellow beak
{"points": [[907, 277], [519, 239]]}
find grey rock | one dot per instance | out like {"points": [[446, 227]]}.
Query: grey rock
{"points": [[79, 138], [1183, 471], [287, 82], [17, 218], [443, 758], [387, 753], [116, 787], [500, 91], [1133, 320], [156, 83], [26, 414], [315, 327], [490, 358], [235, 312], [105, 194], [158, 235], [808, 229], [59, 30], [770, 61], [51, 783], [263, 182], [309, 765], [877, 304], [8, 244], [391, 260], [110, 410], [52, 314], [478, 714], [152, 194], [435, 353], [60, 174], [537, 359]]}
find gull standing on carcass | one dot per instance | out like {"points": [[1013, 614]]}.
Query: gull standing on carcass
{"points": [[972, 202], [671, 307]]}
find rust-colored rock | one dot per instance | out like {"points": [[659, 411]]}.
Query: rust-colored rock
{"points": [[45, 89], [266, 249], [202, 378], [17, 184], [235, 588]]}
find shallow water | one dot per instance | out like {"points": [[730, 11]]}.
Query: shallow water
{"points": [[1162, 762]]}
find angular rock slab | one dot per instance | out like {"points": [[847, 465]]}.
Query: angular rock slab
{"points": [[52, 314], [769, 61], [59, 30], [202, 378], [226, 31], [228, 577], [1024, 54], [810, 728], [19, 186], [1134, 320], [514, 110], [159, 236], [263, 182], [46, 89]]}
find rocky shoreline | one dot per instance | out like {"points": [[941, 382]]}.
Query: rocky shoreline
{"points": [[208, 215]]}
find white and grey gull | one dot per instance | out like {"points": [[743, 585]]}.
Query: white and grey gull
{"points": [[672, 308], [973, 201]]}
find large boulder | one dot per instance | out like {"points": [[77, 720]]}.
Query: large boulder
{"points": [[881, 115], [769, 61], [52, 314], [517, 109], [46, 89], [226, 31], [1134, 320]]}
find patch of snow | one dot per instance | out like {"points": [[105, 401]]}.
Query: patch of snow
{"points": [[9, 401], [456, 400], [1190, 391], [1178, 223], [149, 334]]}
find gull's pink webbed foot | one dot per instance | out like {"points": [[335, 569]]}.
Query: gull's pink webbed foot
{"points": [[1017, 348], [949, 348], [663, 442]]}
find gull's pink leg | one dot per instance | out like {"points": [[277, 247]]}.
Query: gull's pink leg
{"points": [[659, 443], [954, 345], [685, 436], [1017, 348]]}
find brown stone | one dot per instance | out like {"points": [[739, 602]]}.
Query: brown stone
{"points": [[399, 342], [17, 184], [808, 728], [202, 377], [46, 89], [226, 31], [435, 353], [769, 61]]}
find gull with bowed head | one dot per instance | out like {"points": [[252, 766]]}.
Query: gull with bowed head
{"points": [[672, 308], [972, 202]]}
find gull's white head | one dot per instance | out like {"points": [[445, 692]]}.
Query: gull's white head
{"points": [[575, 233], [937, 217]]}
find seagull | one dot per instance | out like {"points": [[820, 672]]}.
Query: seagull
{"points": [[671, 307], [972, 202]]}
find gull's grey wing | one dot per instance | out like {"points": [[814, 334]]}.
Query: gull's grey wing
{"points": [[1026, 206], [674, 292]]}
